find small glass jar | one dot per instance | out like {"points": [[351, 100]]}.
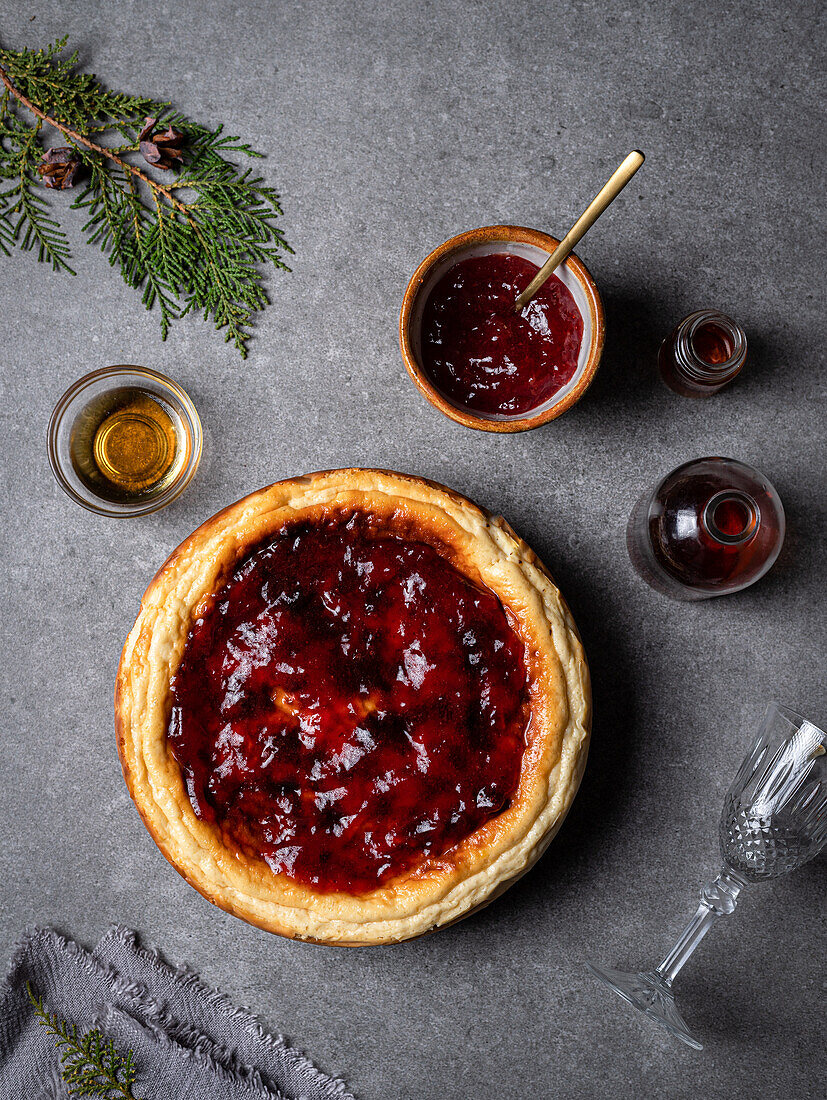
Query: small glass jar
{"points": [[702, 354], [710, 527]]}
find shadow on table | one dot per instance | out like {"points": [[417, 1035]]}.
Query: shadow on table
{"points": [[730, 1003], [766, 352], [635, 327], [799, 561]]}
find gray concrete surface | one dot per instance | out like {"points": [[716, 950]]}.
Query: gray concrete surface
{"points": [[390, 127]]}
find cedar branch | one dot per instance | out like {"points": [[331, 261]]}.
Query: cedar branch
{"points": [[101, 150], [187, 253]]}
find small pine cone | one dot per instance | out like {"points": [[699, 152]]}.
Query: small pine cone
{"points": [[162, 149], [59, 167]]}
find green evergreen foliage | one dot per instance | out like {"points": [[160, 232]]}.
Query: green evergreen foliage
{"points": [[90, 1064], [193, 239]]}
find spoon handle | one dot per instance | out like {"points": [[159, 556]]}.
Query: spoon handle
{"points": [[607, 194]]}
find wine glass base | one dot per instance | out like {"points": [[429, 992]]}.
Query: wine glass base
{"points": [[648, 992]]}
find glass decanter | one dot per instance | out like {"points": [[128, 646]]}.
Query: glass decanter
{"points": [[774, 819], [712, 526]]}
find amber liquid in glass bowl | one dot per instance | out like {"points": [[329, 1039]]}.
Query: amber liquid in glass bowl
{"points": [[124, 441], [127, 445]]}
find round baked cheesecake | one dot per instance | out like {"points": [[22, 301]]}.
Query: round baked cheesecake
{"points": [[353, 708]]}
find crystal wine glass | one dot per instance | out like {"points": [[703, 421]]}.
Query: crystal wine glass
{"points": [[774, 820]]}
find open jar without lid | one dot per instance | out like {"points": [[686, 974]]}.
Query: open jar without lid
{"points": [[702, 354]]}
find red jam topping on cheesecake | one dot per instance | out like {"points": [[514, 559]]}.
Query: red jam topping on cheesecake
{"points": [[485, 357], [349, 704]]}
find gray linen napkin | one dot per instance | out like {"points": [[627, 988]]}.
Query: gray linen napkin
{"points": [[190, 1042]]}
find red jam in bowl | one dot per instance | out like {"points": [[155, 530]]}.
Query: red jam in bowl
{"points": [[485, 357], [348, 705]]}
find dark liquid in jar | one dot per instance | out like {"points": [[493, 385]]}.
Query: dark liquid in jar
{"points": [[696, 554], [712, 344], [702, 354], [485, 357], [732, 516]]}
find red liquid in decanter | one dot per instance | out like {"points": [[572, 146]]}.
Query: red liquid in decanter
{"points": [[711, 527]]}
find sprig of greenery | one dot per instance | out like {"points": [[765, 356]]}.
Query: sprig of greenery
{"points": [[24, 220], [90, 1064], [195, 240], [77, 99]]}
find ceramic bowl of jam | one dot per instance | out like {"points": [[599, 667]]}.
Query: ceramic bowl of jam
{"points": [[478, 361]]}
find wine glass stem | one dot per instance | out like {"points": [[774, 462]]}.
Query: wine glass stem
{"points": [[718, 899]]}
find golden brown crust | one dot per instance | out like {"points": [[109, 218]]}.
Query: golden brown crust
{"points": [[439, 891]]}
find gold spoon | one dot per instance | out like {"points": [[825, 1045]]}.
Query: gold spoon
{"points": [[606, 195]]}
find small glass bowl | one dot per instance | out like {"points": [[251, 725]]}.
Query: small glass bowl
{"points": [[78, 397]]}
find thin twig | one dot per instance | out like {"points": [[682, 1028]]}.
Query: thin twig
{"points": [[95, 148]]}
